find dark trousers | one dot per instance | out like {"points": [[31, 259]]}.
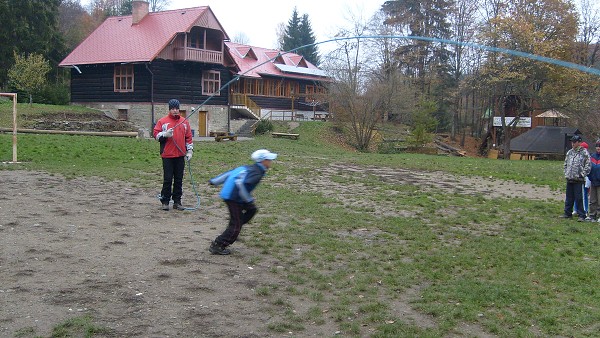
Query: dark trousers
{"points": [[173, 169], [574, 195], [239, 214]]}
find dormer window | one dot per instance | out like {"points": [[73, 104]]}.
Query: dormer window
{"points": [[250, 54], [302, 63]]}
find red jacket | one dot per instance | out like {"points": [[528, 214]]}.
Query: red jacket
{"points": [[180, 143]]}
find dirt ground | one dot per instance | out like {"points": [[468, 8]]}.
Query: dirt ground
{"points": [[85, 246]]}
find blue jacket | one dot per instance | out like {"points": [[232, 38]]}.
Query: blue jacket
{"points": [[239, 182], [594, 174]]}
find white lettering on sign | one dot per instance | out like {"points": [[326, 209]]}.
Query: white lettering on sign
{"points": [[523, 122]]}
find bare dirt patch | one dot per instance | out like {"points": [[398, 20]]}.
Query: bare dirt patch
{"points": [[83, 246]]}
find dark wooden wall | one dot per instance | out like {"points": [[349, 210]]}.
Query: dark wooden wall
{"points": [[180, 80]]}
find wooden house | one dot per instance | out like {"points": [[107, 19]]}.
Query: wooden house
{"points": [[130, 66], [280, 85]]}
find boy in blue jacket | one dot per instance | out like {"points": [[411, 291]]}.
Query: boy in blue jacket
{"points": [[237, 194]]}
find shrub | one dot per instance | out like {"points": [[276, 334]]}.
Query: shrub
{"points": [[54, 94], [263, 126]]}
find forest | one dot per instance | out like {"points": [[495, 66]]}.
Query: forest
{"points": [[434, 65]]}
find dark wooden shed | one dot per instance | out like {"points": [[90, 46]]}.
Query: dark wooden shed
{"points": [[544, 141]]}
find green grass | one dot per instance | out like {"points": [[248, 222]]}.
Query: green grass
{"points": [[352, 244]]}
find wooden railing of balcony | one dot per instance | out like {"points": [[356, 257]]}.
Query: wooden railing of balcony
{"points": [[196, 54], [243, 100]]}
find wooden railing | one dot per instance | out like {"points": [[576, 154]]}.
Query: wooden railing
{"points": [[196, 54], [243, 100]]}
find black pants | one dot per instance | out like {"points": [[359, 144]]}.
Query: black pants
{"points": [[173, 169], [573, 195], [239, 214]]}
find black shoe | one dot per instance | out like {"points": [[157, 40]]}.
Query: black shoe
{"points": [[178, 206], [165, 206], [218, 249], [581, 219], [566, 216]]}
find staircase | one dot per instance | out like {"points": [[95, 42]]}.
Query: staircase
{"points": [[245, 106], [247, 130]]}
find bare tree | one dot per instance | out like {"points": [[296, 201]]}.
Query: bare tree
{"points": [[158, 5], [241, 38], [357, 104], [462, 19], [589, 33], [280, 33]]}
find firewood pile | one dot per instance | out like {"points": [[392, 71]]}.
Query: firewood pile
{"points": [[445, 147]]}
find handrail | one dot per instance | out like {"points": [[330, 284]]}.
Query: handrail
{"points": [[238, 99]]}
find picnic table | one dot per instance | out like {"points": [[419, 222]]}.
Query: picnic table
{"points": [[223, 135]]}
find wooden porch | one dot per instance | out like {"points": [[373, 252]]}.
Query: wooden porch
{"points": [[196, 54]]}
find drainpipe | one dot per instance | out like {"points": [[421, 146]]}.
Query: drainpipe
{"points": [[229, 111], [151, 97]]}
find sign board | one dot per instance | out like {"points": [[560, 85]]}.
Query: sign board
{"points": [[523, 122]]}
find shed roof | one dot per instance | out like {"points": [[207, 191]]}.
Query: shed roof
{"points": [[552, 114], [543, 140]]}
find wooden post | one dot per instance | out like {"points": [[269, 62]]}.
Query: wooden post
{"points": [[14, 129]]}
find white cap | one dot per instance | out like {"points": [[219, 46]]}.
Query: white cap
{"points": [[262, 154]]}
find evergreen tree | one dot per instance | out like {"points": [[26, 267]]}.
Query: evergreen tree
{"points": [[299, 33], [311, 53], [29, 26]]}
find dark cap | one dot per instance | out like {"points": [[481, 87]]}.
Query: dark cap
{"points": [[576, 138], [173, 104]]}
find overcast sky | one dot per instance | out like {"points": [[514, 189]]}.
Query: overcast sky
{"points": [[258, 20]]}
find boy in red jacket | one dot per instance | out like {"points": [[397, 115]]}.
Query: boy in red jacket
{"points": [[176, 147]]}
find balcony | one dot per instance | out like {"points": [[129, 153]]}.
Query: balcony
{"points": [[198, 55]]}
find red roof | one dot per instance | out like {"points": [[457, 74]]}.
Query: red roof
{"points": [[117, 40], [265, 63]]}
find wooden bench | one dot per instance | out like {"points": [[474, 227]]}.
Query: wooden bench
{"points": [[223, 135], [286, 135], [319, 116]]}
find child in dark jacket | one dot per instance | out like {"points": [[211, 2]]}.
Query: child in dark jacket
{"points": [[237, 194]]}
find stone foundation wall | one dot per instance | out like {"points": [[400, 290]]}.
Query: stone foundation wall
{"points": [[140, 115]]}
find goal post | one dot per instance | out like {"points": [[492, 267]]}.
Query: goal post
{"points": [[14, 99]]}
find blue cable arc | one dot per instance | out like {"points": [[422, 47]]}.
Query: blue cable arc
{"points": [[566, 64]]}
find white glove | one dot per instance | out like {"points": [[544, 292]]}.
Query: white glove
{"points": [[168, 133], [188, 155]]}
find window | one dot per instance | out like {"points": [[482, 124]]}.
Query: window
{"points": [[122, 115], [292, 89], [123, 78], [314, 93], [211, 82]]}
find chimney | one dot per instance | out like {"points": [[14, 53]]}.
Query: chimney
{"points": [[140, 9]]}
